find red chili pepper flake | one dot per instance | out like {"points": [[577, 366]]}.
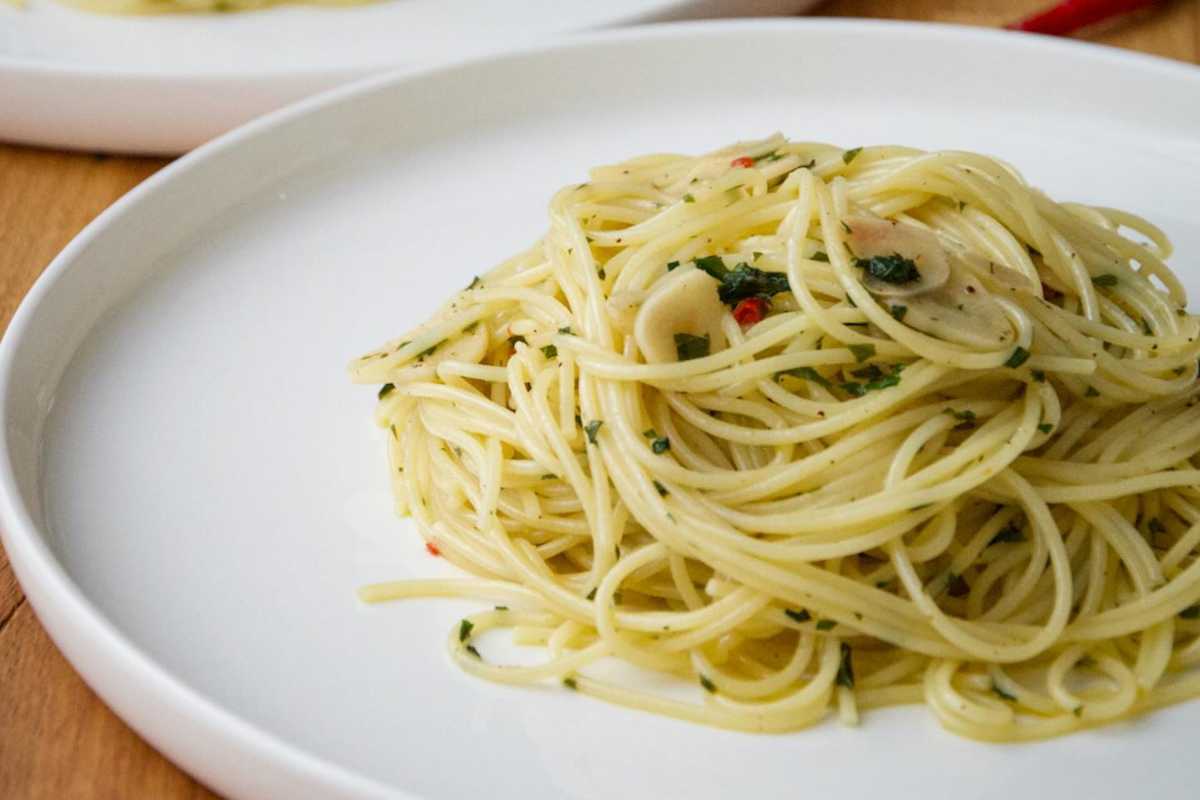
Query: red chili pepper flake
{"points": [[433, 549], [750, 311], [744, 161]]}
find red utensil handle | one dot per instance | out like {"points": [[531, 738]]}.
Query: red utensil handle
{"points": [[1071, 15]]}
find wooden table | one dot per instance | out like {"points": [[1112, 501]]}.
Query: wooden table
{"points": [[57, 740]]}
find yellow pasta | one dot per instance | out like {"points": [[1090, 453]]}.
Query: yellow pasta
{"points": [[818, 431]]}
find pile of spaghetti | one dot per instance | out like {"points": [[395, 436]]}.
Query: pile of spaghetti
{"points": [[817, 430]]}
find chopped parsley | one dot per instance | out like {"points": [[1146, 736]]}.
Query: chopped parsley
{"points": [[826, 625], [689, 198], [807, 374], [845, 673], [592, 594], [773, 156], [862, 351], [1091, 392], [743, 280], [566, 331], [650, 433], [550, 351], [798, 616], [464, 629], [672, 265], [1045, 427], [821, 256], [876, 379], [570, 684], [850, 155], [1106, 279], [429, 350], [660, 445], [591, 428], [471, 649], [601, 274], [502, 608], [1038, 375], [898, 312], [688, 346], [708, 685], [386, 389], [1018, 357], [894, 269], [662, 490], [476, 281]]}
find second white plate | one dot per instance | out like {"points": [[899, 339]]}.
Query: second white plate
{"points": [[191, 490], [164, 83]]}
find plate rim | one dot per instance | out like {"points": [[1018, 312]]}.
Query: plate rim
{"points": [[62, 606]]}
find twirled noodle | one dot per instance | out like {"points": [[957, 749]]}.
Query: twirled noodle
{"points": [[818, 428]]}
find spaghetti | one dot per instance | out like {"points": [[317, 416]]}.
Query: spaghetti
{"points": [[817, 429]]}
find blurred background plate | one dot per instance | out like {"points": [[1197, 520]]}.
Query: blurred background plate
{"points": [[191, 489], [165, 83]]}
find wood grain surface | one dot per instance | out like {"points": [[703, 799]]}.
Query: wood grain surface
{"points": [[57, 739]]}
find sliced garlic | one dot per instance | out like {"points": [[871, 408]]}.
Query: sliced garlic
{"points": [[684, 301], [869, 237], [961, 311]]}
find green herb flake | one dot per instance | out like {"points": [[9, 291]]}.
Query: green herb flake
{"points": [[660, 445], [476, 281], [1107, 279], [714, 266], [894, 269], [689, 198], [708, 685], [862, 351], [601, 274], [550, 351], [650, 433], [1003, 695], [592, 428], [471, 649], [502, 608], [592, 594], [845, 673], [850, 155], [898, 312], [672, 265], [826, 624], [688, 347], [464, 629], [571, 684], [1038, 375], [1091, 392], [662, 490], [386, 389], [566, 331], [853, 388], [821, 256], [798, 616], [429, 351], [1019, 356], [1045, 427]]}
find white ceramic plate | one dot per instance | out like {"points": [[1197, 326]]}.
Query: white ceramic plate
{"points": [[191, 490], [165, 83]]}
